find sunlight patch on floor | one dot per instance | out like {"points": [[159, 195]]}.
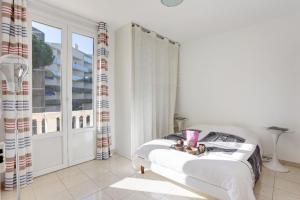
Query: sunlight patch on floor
{"points": [[154, 186]]}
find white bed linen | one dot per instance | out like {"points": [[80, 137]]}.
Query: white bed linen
{"points": [[231, 171]]}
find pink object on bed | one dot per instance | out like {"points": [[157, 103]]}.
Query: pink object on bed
{"points": [[192, 136]]}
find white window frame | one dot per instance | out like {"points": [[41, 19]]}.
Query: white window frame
{"points": [[85, 32], [68, 23], [63, 27], [68, 26]]}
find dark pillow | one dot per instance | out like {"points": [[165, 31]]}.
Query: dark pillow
{"points": [[174, 137], [222, 137]]}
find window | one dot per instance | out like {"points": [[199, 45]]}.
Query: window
{"points": [[57, 124], [82, 78], [88, 120], [73, 122], [43, 126], [81, 122], [34, 127], [62, 67], [46, 73]]}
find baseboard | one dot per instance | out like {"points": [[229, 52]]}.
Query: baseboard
{"points": [[285, 162], [121, 154], [289, 163], [48, 170]]}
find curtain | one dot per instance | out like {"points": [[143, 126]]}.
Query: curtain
{"points": [[155, 68], [103, 111], [14, 41]]}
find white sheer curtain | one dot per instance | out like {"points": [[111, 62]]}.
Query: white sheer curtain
{"points": [[155, 68]]}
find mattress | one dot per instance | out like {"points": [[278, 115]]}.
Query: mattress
{"points": [[229, 170]]}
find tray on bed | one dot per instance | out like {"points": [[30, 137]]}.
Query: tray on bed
{"points": [[193, 151]]}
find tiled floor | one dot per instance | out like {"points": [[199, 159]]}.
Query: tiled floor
{"points": [[115, 179]]}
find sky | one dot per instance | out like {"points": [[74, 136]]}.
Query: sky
{"points": [[53, 35], [85, 43]]}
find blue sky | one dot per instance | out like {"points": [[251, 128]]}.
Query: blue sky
{"points": [[53, 35], [85, 43]]}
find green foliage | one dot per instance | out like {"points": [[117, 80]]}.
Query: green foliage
{"points": [[42, 54]]}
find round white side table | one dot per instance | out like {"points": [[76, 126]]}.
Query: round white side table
{"points": [[274, 164]]}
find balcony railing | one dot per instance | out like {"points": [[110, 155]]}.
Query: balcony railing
{"points": [[81, 68], [54, 81], [51, 122]]}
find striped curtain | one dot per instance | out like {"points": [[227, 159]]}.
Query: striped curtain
{"points": [[14, 41], [103, 119]]}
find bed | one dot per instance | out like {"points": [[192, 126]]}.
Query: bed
{"points": [[228, 169]]}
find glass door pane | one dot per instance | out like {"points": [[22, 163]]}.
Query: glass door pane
{"points": [[46, 79], [82, 81]]}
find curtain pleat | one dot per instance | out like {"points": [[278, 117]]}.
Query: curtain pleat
{"points": [[154, 85], [103, 102], [14, 41]]}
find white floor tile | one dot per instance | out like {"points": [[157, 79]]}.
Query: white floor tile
{"points": [[136, 196], [116, 193], [73, 180], [48, 189], [65, 195], [287, 186], [83, 190], [104, 180], [98, 196], [264, 190], [26, 194], [283, 195], [293, 175]]}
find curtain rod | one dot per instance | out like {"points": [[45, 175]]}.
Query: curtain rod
{"points": [[157, 35]]}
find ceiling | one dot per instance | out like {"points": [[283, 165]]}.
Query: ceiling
{"points": [[193, 18]]}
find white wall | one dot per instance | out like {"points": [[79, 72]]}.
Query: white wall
{"points": [[248, 77]]}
